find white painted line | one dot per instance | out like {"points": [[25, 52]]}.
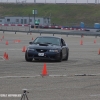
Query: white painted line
{"points": [[14, 49], [57, 75], [19, 76], [98, 74], [31, 76], [9, 49], [95, 95], [41, 76]]}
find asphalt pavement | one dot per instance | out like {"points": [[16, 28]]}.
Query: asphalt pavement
{"points": [[75, 79]]}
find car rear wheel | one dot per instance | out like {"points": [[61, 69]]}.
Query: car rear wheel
{"points": [[26, 57]]}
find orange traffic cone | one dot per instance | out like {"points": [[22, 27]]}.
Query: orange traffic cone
{"points": [[81, 42], [0, 39], [24, 49], [4, 56], [32, 38], [3, 37], [44, 71], [19, 40], [15, 41], [7, 57], [94, 41], [6, 42], [99, 52]]}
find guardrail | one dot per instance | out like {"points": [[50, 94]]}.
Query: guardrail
{"points": [[68, 31], [53, 31]]}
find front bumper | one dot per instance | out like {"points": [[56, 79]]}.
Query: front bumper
{"points": [[46, 56]]}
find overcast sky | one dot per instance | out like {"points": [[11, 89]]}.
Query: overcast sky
{"points": [[53, 1]]}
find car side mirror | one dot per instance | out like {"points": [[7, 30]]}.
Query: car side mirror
{"points": [[30, 42]]}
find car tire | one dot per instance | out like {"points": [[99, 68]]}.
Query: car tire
{"points": [[26, 57], [67, 55], [60, 58]]}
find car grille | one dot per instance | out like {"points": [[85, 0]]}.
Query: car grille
{"points": [[41, 50]]}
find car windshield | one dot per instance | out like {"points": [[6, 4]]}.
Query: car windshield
{"points": [[47, 40]]}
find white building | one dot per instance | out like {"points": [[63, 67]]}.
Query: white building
{"points": [[25, 20]]}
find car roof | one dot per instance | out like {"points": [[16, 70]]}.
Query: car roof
{"points": [[51, 36]]}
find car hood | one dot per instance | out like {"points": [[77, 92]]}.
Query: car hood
{"points": [[44, 46]]}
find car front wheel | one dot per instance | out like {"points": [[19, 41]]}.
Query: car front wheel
{"points": [[67, 55], [26, 57], [60, 58]]}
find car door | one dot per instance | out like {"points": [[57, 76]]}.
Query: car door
{"points": [[63, 48]]}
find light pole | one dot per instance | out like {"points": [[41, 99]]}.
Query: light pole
{"points": [[95, 1], [55, 1], [76, 1], [34, 19], [34, 12], [50, 18], [66, 1], [29, 23], [34, 1]]}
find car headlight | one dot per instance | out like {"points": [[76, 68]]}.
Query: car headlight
{"points": [[54, 50], [32, 49]]}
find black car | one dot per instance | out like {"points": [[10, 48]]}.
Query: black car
{"points": [[47, 48]]}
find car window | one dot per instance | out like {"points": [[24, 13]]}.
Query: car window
{"points": [[48, 40], [63, 42]]}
